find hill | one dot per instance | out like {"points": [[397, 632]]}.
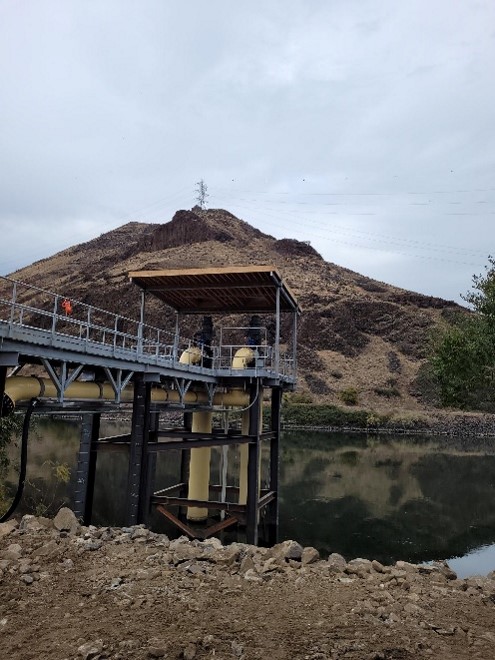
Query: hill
{"points": [[355, 332]]}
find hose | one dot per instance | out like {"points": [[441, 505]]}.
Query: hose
{"points": [[22, 472]]}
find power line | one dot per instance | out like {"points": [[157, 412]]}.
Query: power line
{"points": [[368, 247], [377, 237]]}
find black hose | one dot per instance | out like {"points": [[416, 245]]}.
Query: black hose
{"points": [[23, 466]]}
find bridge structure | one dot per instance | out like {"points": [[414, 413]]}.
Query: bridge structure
{"points": [[62, 355]]}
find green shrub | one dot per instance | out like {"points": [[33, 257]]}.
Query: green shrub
{"points": [[387, 392], [349, 396]]}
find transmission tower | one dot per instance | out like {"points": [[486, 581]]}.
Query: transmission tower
{"points": [[202, 194]]}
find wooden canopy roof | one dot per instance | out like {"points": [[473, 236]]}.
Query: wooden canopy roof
{"points": [[250, 289]]}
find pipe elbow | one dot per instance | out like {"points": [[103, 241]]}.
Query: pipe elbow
{"points": [[243, 358], [191, 355]]}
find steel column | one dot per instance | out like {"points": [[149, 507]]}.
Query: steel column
{"points": [[3, 378], [149, 470], [253, 465], [86, 468], [273, 507], [138, 448]]}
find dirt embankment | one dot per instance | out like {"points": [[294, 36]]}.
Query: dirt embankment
{"points": [[70, 592]]}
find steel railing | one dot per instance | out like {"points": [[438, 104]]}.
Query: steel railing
{"points": [[41, 313]]}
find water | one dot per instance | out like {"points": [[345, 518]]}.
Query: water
{"points": [[385, 498]]}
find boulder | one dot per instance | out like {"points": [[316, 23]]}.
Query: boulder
{"points": [[66, 521], [287, 550], [310, 555], [7, 527]]}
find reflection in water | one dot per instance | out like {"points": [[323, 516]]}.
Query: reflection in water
{"points": [[386, 498]]}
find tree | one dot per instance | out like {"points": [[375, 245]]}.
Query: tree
{"points": [[463, 356]]}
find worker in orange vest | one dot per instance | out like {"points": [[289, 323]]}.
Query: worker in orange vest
{"points": [[67, 306]]}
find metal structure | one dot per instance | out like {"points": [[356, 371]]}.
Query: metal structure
{"points": [[95, 359]]}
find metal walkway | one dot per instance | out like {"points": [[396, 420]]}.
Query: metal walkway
{"points": [[35, 328]]}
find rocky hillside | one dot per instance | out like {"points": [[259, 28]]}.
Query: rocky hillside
{"points": [[355, 333]]}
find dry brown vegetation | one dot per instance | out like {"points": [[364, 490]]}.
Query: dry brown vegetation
{"points": [[355, 332]]}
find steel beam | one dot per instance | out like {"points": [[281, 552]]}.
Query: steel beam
{"points": [[253, 465]]}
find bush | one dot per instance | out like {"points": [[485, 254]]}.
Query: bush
{"points": [[349, 396], [387, 392], [323, 415]]}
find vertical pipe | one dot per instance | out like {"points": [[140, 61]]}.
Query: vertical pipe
{"points": [[199, 468]]}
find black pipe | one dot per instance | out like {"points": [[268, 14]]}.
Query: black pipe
{"points": [[22, 472]]}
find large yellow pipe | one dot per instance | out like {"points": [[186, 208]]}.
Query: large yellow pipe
{"points": [[23, 388], [199, 468], [243, 359]]}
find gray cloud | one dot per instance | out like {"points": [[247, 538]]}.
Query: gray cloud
{"points": [[364, 127]]}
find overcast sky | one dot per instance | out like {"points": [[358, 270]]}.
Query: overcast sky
{"points": [[366, 128]]}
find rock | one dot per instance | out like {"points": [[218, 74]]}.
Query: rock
{"points": [[66, 521], [358, 567], [190, 652], [445, 570], [50, 548], [27, 579], [251, 576], [379, 568], [213, 542], [185, 552], [140, 533], [228, 555], [90, 649], [309, 555], [336, 563], [7, 527], [156, 652], [13, 552], [30, 523], [287, 550], [247, 564]]}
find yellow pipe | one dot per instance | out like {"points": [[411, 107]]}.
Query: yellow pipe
{"points": [[242, 359], [244, 460], [23, 388], [199, 468]]}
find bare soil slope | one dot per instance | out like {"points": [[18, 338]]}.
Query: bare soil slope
{"points": [[355, 332]]}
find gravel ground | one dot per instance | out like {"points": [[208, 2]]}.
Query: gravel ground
{"points": [[72, 592]]}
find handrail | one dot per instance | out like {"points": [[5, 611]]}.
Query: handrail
{"points": [[92, 326]]}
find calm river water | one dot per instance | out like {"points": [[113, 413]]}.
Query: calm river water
{"points": [[388, 497]]}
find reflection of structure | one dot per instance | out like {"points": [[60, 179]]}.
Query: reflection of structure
{"points": [[158, 371]]}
